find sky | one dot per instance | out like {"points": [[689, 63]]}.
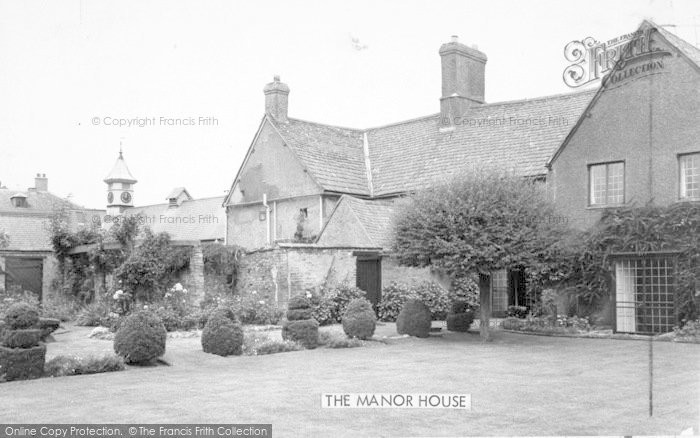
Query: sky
{"points": [[70, 70]]}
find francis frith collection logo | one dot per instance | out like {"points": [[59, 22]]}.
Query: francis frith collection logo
{"points": [[635, 54]]}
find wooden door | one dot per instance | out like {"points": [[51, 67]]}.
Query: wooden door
{"points": [[25, 273], [369, 278]]}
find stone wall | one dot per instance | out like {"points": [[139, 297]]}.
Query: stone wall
{"points": [[393, 272], [276, 274], [287, 270]]}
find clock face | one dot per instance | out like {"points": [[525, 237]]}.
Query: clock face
{"points": [[110, 197], [126, 197]]}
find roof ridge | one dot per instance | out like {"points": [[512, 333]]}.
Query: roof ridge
{"points": [[187, 200], [403, 122], [533, 99], [326, 125]]}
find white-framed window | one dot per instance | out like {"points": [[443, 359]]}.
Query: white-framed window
{"points": [[499, 290], [690, 176], [606, 182]]}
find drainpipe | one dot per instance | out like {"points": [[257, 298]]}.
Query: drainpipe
{"points": [[274, 221], [267, 217], [320, 213]]}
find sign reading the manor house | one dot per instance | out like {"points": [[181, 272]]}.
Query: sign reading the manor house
{"points": [[633, 53]]}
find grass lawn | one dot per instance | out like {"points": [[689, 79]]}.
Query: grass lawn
{"points": [[520, 385]]}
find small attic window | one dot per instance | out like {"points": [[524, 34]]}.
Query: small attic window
{"points": [[19, 200], [304, 212]]}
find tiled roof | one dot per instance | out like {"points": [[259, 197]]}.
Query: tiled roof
{"points": [[372, 218], [29, 232], [36, 201], [28, 227], [197, 219], [120, 172], [689, 50], [333, 156], [376, 217], [517, 136]]}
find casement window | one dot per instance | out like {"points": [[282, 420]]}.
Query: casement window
{"points": [[606, 183], [690, 176], [499, 292]]}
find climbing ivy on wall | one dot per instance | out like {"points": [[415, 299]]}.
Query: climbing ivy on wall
{"points": [[587, 268]]}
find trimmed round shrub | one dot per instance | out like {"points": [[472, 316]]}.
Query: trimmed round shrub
{"points": [[359, 320], [414, 319], [22, 363], [21, 316], [304, 332], [222, 335], [223, 312], [299, 314], [298, 302], [140, 338], [459, 322], [25, 338]]}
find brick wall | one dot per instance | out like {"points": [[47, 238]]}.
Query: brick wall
{"points": [[646, 123]]}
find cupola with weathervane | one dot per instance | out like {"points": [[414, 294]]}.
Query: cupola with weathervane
{"points": [[120, 187]]}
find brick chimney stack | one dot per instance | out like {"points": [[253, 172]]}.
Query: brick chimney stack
{"points": [[277, 99], [463, 80], [41, 183]]}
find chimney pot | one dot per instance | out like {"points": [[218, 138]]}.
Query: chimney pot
{"points": [[277, 99], [463, 78], [41, 183]]}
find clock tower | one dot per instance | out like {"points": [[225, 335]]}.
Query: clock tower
{"points": [[120, 188]]}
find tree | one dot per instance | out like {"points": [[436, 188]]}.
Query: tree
{"points": [[479, 223]]}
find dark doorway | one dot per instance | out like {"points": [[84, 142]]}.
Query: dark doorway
{"points": [[25, 273], [517, 288], [369, 277]]}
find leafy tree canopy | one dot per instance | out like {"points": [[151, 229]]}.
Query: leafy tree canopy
{"points": [[478, 223]]}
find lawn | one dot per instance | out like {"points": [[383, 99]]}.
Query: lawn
{"points": [[520, 385]]}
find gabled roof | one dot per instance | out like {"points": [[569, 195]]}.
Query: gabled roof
{"points": [[333, 155], [518, 136], [374, 217], [120, 172], [521, 137], [686, 49], [177, 191], [196, 219]]}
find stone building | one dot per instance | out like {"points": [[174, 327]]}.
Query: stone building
{"points": [[26, 257], [333, 189]]}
